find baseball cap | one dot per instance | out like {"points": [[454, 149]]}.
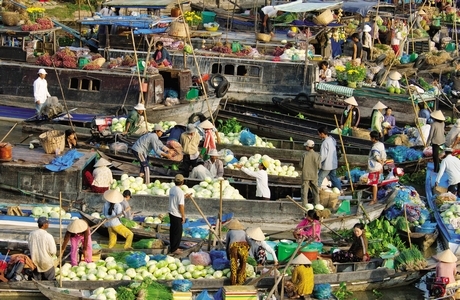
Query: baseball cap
{"points": [[41, 221], [179, 177], [309, 143]]}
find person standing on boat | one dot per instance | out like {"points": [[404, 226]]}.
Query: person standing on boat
{"points": [[258, 247], [310, 163], [447, 265], [436, 137], [42, 249], [357, 49], [416, 18], [125, 204], [376, 160], [176, 214], [424, 112], [367, 41], [78, 232], [190, 141], [377, 118], [453, 137], [329, 162], [302, 280], [350, 116], [106, 11], [40, 91], [161, 55], [135, 123], [209, 142], [102, 176], [214, 164], [113, 210], [261, 176], [309, 227], [358, 249], [144, 145], [237, 249], [451, 165], [266, 13]]}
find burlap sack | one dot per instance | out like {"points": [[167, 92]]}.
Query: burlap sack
{"points": [[329, 199]]}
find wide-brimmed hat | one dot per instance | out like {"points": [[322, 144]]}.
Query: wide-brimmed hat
{"points": [[158, 127], [41, 71], [179, 177], [367, 28], [113, 196], [449, 150], [234, 224], [351, 101], [139, 106], [191, 128], [77, 226], [421, 12], [213, 152], [438, 115], [395, 75], [457, 123], [255, 233], [309, 143], [446, 256], [301, 260], [102, 162], [379, 105], [206, 125]]}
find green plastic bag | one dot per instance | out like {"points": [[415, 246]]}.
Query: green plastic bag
{"points": [[236, 47]]}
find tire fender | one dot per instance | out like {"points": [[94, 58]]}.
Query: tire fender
{"points": [[215, 80], [121, 111], [420, 61], [195, 116], [222, 89]]}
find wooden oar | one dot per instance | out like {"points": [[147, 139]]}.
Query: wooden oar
{"points": [[344, 154], [8, 133]]}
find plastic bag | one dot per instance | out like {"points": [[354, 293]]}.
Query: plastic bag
{"points": [[136, 260], [217, 254], [219, 294], [220, 263], [182, 285], [247, 138], [204, 296], [322, 291], [119, 147], [200, 258]]}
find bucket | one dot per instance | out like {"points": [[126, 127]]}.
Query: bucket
{"points": [[175, 12], [141, 65], [344, 208], [208, 17], [310, 254], [83, 61], [192, 94], [52, 141], [436, 21], [285, 251], [6, 152]]}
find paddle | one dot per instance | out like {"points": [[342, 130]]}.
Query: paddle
{"points": [[27, 137]]}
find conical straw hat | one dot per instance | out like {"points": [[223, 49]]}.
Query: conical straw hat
{"points": [[77, 226], [102, 162], [301, 260], [446, 256], [395, 75], [379, 105], [351, 101], [113, 196], [438, 115], [206, 125], [255, 233], [234, 224]]}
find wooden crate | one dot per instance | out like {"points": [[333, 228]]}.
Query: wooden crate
{"points": [[419, 45]]}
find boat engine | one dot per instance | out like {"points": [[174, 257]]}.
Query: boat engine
{"points": [[437, 286]]}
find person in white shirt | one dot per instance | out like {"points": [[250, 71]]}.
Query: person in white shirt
{"points": [[102, 176], [265, 15], [106, 11], [367, 41], [176, 212], [42, 249], [325, 74], [451, 165], [261, 175], [376, 160], [396, 38], [214, 164], [40, 91], [393, 79], [199, 171], [258, 247]]}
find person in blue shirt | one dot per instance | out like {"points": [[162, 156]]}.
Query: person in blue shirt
{"points": [[424, 113], [161, 55]]}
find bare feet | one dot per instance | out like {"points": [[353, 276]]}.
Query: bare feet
{"points": [[178, 251], [373, 202]]}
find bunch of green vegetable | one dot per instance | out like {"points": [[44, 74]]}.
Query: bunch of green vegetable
{"points": [[128, 223], [149, 290], [415, 178], [229, 126], [124, 293], [410, 260], [342, 292], [381, 232], [320, 267], [147, 244]]}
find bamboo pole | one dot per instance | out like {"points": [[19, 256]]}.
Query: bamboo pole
{"points": [[407, 226], [60, 237], [137, 66], [344, 155], [221, 202], [207, 222], [8, 133], [416, 115]]}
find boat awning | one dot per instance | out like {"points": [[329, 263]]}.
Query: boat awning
{"points": [[359, 7], [157, 4], [300, 6]]}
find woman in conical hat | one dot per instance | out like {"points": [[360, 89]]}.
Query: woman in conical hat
{"points": [[77, 233], [102, 176], [351, 115], [112, 210], [436, 138], [259, 247], [447, 265], [302, 280], [237, 251], [377, 118]]}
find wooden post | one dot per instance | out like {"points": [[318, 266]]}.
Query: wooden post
{"points": [[8, 133], [60, 237], [207, 222], [407, 226], [344, 154], [415, 112], [221, 180]]}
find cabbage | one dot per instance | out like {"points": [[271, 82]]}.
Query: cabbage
{"points": [[98, 291], [218, 274], [131, 272], [186, 262], [72, 275], [180, 276], [91, 265], [101, 297], [126, 277], [187, 275], [95, 215], [81, 273], [148, 220], [91, 277], [84, 277], [80, 268], [111, 265], [119, 276], [170, 259], [199, 267], [190, 268], [46, 209], [109, 277], [157, 273], [196, 274], [112, 272], [225, 271], [181, 270], [210, 271], [100, 274], [37, 211], [102, 268], [172, 266]]}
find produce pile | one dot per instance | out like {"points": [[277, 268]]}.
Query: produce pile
{"points": [[450, 211], [275, 167], [42, 23], [380, 233], [63, 58], [410, 260], [234, 139], [380, 49], [50, 212], [118, 125], [104, 294], [408, 199], [208, 188]]}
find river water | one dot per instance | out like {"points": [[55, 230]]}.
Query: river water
{"points": [[403, 293]]}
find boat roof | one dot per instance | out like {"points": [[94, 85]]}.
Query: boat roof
{"points": [[300, 6], [18, 31], [157, 4], [142, 21]]}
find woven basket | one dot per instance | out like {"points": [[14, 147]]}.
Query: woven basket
{"points": [[177, 29], [10, 18], [263, 37], [324, 18], [361, 133], [52, 140]]}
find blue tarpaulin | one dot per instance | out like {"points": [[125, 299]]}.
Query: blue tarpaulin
{"points": [[64, 162], [358, 7]]}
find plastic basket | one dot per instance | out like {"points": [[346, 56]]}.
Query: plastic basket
{"points": [[52, 140]]}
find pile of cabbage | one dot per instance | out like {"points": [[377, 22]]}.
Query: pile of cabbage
{"points": [[118, 125], [234, 139], [209, 188], [168, 269], [50, 212], [275, 167], [104, 294]]}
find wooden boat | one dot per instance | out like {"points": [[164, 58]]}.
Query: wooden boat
{"points": [[422, 240], [326, 103], [448, 236]]}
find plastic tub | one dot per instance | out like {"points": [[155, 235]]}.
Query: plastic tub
{"points": [[208, 17], [285, 251], [310, 254]]}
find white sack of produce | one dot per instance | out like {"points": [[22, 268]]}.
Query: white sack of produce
{"points": [[275, 167]]}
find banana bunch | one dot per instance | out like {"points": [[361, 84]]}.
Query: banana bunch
{"points": [[339, 16]]}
